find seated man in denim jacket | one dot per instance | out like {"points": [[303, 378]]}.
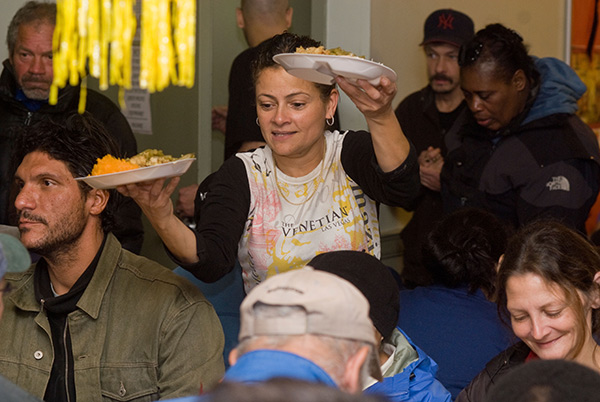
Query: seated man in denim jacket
{"points": [[91, 321]]}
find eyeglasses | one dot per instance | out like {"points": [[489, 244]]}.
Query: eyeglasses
{"points": [[6, 289], [468, 55]]}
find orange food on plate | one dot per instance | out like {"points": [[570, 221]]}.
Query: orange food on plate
{"points": [[110, 164], [149, 157]]}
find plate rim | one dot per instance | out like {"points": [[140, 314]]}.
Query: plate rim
{"points": [[346, 57], [136, 169]]}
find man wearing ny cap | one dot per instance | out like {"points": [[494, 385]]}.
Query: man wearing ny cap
{"points": [[426, 117], [408, 373], [309, 325], [13, 258]]}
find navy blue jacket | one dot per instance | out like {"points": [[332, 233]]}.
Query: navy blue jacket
{"points": [[461, 331]]}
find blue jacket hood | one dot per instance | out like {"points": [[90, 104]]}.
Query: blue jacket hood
{"points": [[416, 382], [261, 365], [560, 89]]}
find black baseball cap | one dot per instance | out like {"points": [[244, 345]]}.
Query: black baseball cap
{"points": [[448, 26], [372, 277]]}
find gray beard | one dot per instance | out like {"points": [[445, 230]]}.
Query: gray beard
{"points": [[36, 94]]}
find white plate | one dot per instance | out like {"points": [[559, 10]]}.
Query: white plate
{"points": [[322, 68], [112, 180]]}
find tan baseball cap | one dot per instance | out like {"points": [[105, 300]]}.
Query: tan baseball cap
{"points": [[334, 307]]}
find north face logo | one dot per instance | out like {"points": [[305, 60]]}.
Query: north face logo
{"points": [[445, 21], [559, 183]]}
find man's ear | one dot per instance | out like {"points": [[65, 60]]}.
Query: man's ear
{"points": [[288, 17], [239, 18], [98, 200], [233, 356], [351, 381]]}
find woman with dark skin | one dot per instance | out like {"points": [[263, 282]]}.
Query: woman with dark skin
{"points": [[524, 154]]}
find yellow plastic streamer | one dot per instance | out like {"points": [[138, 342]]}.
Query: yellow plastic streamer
{"points": [[95, 37]]}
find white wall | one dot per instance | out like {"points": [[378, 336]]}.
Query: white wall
{"points": [[348, 25], [9, 8], [397, 29]]}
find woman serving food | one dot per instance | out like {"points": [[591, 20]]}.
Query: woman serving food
{"points": [[309, 190]]}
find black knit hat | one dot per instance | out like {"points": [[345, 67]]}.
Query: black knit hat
{"points": [[448, 26], [372, 278]]}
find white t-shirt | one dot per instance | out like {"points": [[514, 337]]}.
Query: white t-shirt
{"points": [[281, 235]]}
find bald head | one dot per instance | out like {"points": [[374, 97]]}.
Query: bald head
{"points": [[263, 19], [264, 10]]}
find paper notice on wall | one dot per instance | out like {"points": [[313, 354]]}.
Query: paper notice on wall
{"points": [[137, 110], [137, 100]]}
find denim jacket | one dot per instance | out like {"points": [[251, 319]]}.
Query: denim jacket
{"points": [[140, 333]]}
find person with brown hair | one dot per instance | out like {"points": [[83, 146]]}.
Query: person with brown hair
{"points": [[310, 189], [548, 287], [90, 318], [427, 117], [259, 20]]}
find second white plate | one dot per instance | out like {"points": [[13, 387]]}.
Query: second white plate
{"points": [[322, 68], [112, 180]]}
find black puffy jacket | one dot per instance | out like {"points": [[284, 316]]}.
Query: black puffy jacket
{"points": [[496, 368]]}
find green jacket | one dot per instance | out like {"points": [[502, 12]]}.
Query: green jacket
{"points": [[140, 333]]}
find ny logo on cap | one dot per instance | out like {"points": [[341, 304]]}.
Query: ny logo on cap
{"points": [[445, 21]]}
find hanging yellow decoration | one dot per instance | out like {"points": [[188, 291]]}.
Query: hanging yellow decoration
{"points": [[95, 37]]}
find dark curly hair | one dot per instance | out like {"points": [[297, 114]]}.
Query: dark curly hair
{"points": [[558, 255], [502, 46], [463, 250], [284, 43], [77, 140]]}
